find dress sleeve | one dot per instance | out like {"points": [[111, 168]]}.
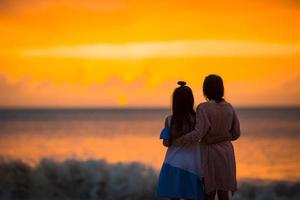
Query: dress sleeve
{"points": [[201, 127], [165, 133], [216, 139], [235, 127]]}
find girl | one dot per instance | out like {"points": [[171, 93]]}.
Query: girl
{"points": [[216, 120], [181, 173]]}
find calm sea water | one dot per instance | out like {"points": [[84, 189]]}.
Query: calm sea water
{"points": [[268, 149]]}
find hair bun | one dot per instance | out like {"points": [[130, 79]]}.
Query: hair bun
{"points": [[181, 83]]}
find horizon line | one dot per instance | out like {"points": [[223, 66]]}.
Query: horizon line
{"points": [[141, 107]]}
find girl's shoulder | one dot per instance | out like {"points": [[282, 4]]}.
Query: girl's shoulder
{"points": [[202, 106], [210, 106], [213, 103]]}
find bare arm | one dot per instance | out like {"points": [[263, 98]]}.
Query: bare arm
{"points": [[201, 127]]}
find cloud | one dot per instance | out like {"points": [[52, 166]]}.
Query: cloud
{"points": [[293, 84], [8, 6], [166, 49], [8, 89], [112, 92]]}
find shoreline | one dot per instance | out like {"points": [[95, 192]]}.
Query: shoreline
{"points": [[97, 179]]}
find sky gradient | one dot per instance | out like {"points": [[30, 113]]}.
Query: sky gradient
{"points": [[131, 53]]}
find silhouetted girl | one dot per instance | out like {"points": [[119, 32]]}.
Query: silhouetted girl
{"points": [[181, 173]]}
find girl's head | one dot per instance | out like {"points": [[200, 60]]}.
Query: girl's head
{"points": [[183, 100], [182, 108], [213, 88]]}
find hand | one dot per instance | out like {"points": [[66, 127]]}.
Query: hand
{"points": [[166, 143], [179, 141]]}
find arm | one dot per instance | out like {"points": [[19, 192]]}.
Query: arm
{"points": [[234, 133], [235, 127], [201, 127], [216, 139]]}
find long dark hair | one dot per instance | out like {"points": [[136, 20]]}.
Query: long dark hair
{"points": [[213, 88], [182, 108]]}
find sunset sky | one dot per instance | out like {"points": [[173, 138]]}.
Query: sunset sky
{"points": [[130, 53]]}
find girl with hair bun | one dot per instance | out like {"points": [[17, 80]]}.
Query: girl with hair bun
{"points": [[181, 173]]}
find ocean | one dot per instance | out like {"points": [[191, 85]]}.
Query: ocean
{"points": [[127, 140]]}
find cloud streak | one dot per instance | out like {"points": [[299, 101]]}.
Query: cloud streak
{"points": [[166, 49]]}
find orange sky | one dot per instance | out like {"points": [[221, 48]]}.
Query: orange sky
{"points": [[77, 53]]}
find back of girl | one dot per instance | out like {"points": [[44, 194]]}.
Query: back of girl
{"points": [[181, 173]]}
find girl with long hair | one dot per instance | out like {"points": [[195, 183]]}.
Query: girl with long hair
{"points": [[181, 173]]}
